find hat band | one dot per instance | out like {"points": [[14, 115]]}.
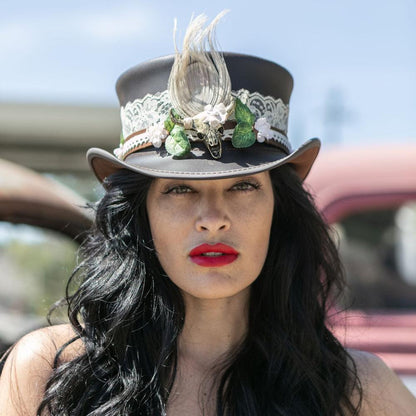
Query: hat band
{"points": [[143, 121], [135, 141]]}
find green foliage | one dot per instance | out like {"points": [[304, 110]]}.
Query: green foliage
{"points": [[175, 113], [169, 124], [243, 113], [243, 135], [40, 270], [177, 143]]}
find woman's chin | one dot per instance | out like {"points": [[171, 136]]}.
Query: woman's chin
{"points": [[215, 288]]}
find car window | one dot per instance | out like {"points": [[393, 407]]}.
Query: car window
{"points": [[378, 249]]}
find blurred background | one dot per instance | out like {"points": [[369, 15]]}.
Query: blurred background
{"points": [[355, 87]]}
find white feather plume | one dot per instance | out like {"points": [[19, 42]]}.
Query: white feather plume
{"points": [[199, 75]]}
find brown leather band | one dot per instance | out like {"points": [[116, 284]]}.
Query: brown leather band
{"points": [[136, 133], [135, 149], [229, 124]]}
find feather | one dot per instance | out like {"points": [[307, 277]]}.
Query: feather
{"points": [[199, 74]]}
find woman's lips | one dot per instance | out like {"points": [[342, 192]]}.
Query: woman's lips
{"points": [[216, 255]]}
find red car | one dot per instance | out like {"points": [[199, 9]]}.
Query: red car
{"points": [[27, 197], [359, 188]]}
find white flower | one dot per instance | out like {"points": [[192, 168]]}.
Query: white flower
{"points": [[262, 125], [156, 134], [157, 142], [263, 129], [214, 116], [260, 138], [243, 96]]}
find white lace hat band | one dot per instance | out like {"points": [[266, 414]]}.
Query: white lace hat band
{"points": [[143, 121]]}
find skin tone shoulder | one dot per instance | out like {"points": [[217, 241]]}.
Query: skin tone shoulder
{"points": [[29, 367], [211, 238], [384, 393]]}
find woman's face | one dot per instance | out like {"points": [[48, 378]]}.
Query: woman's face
{"points": [[211, 236]]}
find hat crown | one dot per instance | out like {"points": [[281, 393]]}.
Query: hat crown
{"points": [[146, 103], [246, 72], [217, 114]]}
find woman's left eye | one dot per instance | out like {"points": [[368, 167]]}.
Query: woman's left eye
{"points": [[245, 186]]}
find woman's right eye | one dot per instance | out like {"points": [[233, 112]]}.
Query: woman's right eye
{"points": [[179, 190]]}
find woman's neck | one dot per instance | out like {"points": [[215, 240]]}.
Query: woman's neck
{"points": [[213, 328]]}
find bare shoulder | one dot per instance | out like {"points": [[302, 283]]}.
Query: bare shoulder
{"points": [[29, 366], [383, 391], [42, 345]]}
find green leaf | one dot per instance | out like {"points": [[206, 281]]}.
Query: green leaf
{"points": [[177, 144], [178, 130], [175, 114], [169, 124], [243, 135], [243, 113], [121, 138]]}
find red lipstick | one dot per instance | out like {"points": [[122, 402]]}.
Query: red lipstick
{"points": [[216, 255]]}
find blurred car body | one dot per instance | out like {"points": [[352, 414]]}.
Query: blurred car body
{"points": [[351, 181], [26, 197]]}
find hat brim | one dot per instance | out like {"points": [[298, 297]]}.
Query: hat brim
{"points": [[199, 164]]}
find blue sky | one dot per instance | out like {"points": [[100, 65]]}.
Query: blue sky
{"points": [[360, 54]]}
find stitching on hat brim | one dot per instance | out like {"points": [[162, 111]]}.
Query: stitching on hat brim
{"points": [[116, 164]]}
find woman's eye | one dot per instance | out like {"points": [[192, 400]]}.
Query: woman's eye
{"points": [[245, 186], [179, 189]]}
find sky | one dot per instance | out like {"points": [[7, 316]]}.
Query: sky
{"points": [[353, 61]]}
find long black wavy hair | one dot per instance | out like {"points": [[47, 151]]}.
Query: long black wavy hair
{"points": [[129, 315]]}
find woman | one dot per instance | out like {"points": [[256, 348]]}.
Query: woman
{"points": [[208, 274]]}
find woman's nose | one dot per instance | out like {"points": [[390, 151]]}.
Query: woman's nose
{"points": [[212, 216]]}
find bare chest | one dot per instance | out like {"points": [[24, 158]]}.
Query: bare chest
{"points": [[191, 395]]}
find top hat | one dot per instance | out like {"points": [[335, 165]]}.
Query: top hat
{"points": [[204, 115]]}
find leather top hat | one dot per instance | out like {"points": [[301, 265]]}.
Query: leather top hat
{"points": [[204, 114]]}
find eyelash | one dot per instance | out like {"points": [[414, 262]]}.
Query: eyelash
{"points": [[245, 186], [178, 190]]}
